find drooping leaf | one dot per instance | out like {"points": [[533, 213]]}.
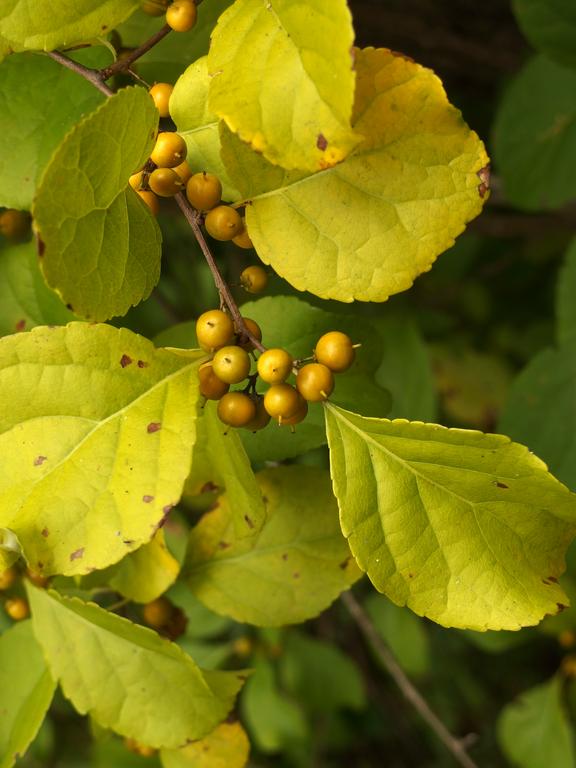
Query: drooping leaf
{"points": [[97, 428], [319, 675], [535, 732], [566, 297], [41, 26], [295, 567], [296, 326], [26, 690], [199, 126], [550, 25], [48, 100], [226, 747], [282, 78], [388, 210], [535, 136], [127, 677], [465, 528], [539, 411], [144, 575], [10, 548], [104, 256], [25, 298]]}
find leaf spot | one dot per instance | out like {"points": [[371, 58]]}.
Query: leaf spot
{"points": [[45, 532], [40, 460], [223, 545], [20, 325], [249, 522], [143, 364], [296, 575], [484, 176], [285, 556], [147, 499], [77, 554], [128, 542], [154, 426], [498, 484], [125, 360], [561, 607], [321, 142]]}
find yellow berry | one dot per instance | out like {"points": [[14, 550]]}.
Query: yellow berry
{"points": [[214, 329], [236, 409], [181, 15], [254, 279], [169, 151], [275, 365], [165, 182], [183, 170], [242, 239], [223, 222], [150, 199], [158, 613], [17, 608], [161, 93], [315, 382], [335, 350], [203, 191], [8, 578]]}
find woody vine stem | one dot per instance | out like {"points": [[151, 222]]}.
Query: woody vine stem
{"points": [[97, 78]]}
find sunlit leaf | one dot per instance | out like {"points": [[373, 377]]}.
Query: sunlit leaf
{"points": [[144, 575], [465, 528], [226, 747]]}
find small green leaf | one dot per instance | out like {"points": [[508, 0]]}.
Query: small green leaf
{"points": [[550, 25], [226, 747], [467, 529], [388, 210], [535, 732], [127, 677], [25, 298], [565, 297], [293, 569], [282, 86], [26, 691], [144, 575], [96, 430], [199, 126], [48, 100], [535, 136], [37, 25], [539, 411], [104, 256]]}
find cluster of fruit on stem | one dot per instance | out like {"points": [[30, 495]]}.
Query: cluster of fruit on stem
{"points": [[15, 605], [181, 15], [231, 364]]}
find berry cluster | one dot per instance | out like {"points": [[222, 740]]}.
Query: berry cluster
{"points": [[15, 605], [283, 402], [181, 15]]}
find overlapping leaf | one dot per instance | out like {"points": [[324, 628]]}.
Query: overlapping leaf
{"points": [[144, 575], [127, 677], [550, 25], [283, 80], [467, 529], [37, 25], [291, 570], [566, 297], [26, 690], [100, 244], [39, 102], [97, 428], [389, 209], [226, 747]]}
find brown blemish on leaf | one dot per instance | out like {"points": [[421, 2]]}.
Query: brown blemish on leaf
{"points": [[403, 56], [147, 499], [410, 575], [40, 246], [296, 575], [344, 564], [484, 176], [125, 360], [561, 607], [285, 556], [209, 487], [69, 306], [128, 542], [143, 364], [550, 580], [77, 554], [498, 484], [45, 532], [154, 426], [321, 142], [40, 460], [20, 325], [249, 522]]}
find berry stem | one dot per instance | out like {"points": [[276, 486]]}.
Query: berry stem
{"points": [[193, 218], [121, 65], [92, 75]]}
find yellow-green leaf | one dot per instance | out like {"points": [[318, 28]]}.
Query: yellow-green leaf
{"points": [[96, 431], [282, 78], [103, 255], [465, 528], [397, 202], [226, 747], [127, 677], [144, 575], [198, 125], [10, 548], [293, 569]]}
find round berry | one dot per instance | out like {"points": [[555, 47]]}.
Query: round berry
{"points": [[281, 401], [299, 416], [211, 386], [158, 613], [150, 199], [335, 350], [183, 170], [203, 191], [161, 93], [169, 151], [275, 365], [135, 181], [236, 409], [223, 222], [17, 608], [165, 182], [155, 7], [231, 364], [214, 329], [14, 224], [254, 279], [315, 382], [242, 239], [8, 578], [38, 579], [181, 15], [254, 329], [262, 417]]}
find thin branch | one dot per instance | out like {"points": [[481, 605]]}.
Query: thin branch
{"points": [[88, 74], [193, 218], [454, 745], [121, 65]]}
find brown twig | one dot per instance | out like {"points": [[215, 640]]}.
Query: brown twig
{"points": [[121, 65], [193, 218], [88, 74], [411, 693]]}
